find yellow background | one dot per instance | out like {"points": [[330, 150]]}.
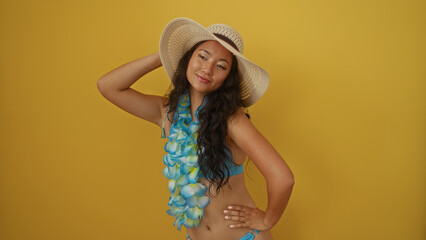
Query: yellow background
{"points": [[345, 107]]}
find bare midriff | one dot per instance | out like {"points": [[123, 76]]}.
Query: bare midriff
{"points": [[214, 226]]}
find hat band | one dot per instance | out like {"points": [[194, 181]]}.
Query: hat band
{"points": [[227, 40]]}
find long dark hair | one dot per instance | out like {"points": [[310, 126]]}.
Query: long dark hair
{"points": [[220, 105]]}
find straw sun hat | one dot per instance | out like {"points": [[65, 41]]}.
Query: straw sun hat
{"points": [[182, 33]]}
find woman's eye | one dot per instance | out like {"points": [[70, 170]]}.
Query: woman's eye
{"points": [[221, 67], [202, 57]]}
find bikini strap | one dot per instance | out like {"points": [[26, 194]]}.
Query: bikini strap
{"points": [[163, 132]]}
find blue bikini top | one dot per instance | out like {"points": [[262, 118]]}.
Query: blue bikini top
{"points": [[232, 167]]}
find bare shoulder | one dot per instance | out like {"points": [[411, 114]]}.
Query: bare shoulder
{"points": [[237, 117], [242, 131], [239, 123]]}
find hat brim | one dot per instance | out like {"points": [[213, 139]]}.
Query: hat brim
{"points": [[181, 34]]}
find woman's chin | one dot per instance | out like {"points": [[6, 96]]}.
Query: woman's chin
{"points": [[200, 89]]}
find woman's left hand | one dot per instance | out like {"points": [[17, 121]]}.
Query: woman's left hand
{"points": [[246, 217]]}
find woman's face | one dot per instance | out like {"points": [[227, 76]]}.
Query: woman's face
{"points": [[208, 67]]}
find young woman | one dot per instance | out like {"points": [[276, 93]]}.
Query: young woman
{"points": [[209, 134]]}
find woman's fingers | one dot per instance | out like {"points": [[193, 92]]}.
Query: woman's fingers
{"points": [[237, 211], [236, 218], [245, 217], [234, 213], [238, 214]]}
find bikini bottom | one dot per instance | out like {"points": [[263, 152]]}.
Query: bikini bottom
{"points": [[249, 236]]}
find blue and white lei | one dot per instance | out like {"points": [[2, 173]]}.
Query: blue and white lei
{"points": [[188, 200]]}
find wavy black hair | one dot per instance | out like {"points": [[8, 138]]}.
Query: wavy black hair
{"points": [[220, 105]]}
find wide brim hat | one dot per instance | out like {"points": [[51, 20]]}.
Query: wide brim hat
{"points": [[181, 34]]}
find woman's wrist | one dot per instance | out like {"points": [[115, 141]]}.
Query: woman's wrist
{"points": [[269, 221], [156, 60]]}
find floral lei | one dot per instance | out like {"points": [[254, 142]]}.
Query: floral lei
{"points": [[188, 200]]}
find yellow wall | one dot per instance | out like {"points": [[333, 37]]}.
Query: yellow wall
{"points": [[345, 108]]}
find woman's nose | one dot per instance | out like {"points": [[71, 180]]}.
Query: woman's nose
{"points": [[208, 67]]}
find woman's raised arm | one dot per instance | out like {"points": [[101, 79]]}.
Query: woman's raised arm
{"points": [[115, 86]]}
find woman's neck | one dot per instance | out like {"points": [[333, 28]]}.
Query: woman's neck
{"points": [[196, 100]]}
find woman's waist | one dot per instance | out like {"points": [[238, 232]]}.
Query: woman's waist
{"points": [[214, 226], [214, 217]]}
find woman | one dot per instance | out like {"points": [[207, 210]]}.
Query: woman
{"points": [[209, 135]]}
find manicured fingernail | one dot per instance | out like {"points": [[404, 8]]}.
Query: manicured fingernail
{"points": [[226, 217], [224, 211], [229, 207], [231, 226]]}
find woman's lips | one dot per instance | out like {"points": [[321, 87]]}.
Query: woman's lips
{"points": [[203, 80]]}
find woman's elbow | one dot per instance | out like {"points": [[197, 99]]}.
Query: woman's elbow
{"points": [[288, 181], [100, 85], [283, 181], [103, 87]]}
